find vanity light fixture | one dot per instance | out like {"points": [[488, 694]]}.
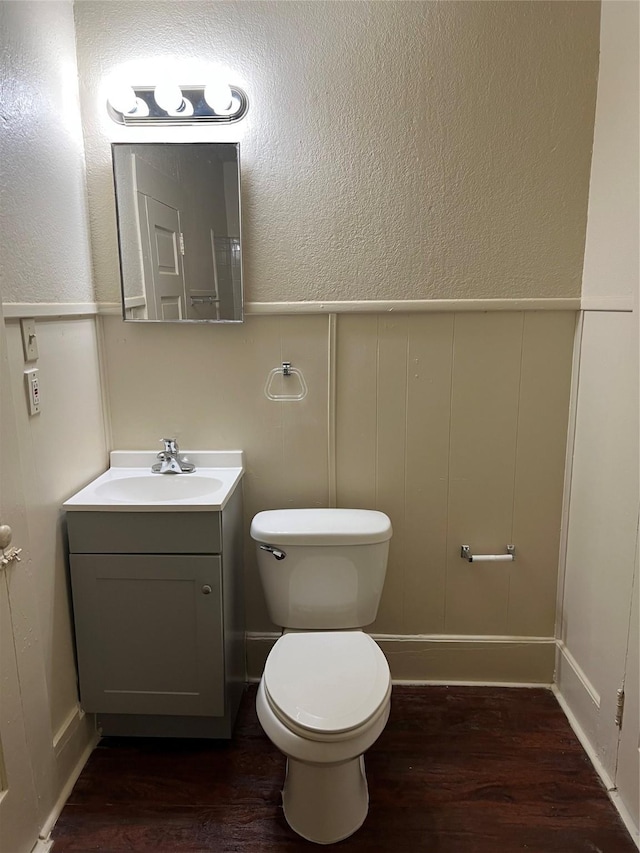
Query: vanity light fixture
{"points": [[124, 101], [169, 97], [171, 104], [219, 97]]}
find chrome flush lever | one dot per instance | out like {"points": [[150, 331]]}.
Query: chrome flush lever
{"points": [[277, 553]]}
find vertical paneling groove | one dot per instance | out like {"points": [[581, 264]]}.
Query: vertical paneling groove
{"points": [[454, 332], [513, 567], [377, 405], [356, 410], [519, 400], [280, 406], [390, 453], [568, 473], [305, 438], [405, 568], [331, 406]]}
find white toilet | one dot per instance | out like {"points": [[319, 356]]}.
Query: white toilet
{"points": [[325, 693]]}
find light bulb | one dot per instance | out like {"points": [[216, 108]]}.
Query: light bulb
{"points": [[218, 95], [123, 99], [168, 96]]}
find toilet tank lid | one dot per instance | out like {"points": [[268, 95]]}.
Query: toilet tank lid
{"points": [[321, 527]]}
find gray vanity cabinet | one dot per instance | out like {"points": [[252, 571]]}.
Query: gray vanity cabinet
{"points": [[145, 624], [159, 633]]}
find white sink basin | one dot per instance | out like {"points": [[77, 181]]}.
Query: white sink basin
{"points": [[158, 487], [130, 486]]}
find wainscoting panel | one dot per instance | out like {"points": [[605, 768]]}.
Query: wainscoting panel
{"points": [[430, 359], [539, 473], [484, 415], [455, 425], [452, 423]]}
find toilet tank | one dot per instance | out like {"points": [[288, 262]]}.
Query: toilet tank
{"points": [[332, 572]]}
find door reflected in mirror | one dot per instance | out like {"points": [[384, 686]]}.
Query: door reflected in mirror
{"points": [[179, 234]]}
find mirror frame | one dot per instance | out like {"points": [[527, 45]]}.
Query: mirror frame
{"points": [[123, 263]]}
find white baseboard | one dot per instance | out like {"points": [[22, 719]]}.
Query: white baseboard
{"points": [[73, 743], [575, 668], [452, 682], [580, 702], [632, 829], [582, 736], [445, 659], [577, 692], [54, 814], [67, 730], [592, 754]]}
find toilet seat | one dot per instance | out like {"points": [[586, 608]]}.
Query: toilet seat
{"points": [[324, 685]]}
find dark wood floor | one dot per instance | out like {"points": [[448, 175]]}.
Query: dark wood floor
{"points": [[457, 770]]}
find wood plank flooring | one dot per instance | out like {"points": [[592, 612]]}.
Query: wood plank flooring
{"points": [[457, 770]]}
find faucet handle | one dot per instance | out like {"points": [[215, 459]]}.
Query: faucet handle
{"points": [[170, 445]]}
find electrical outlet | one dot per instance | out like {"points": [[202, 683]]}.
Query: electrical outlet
{"points": [[29, 339], [33, 390]]}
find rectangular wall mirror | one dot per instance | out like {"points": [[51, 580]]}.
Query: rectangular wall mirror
{"points": [[178, 209]]}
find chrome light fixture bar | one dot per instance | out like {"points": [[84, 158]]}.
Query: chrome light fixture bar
{"points": [[182, 105]]}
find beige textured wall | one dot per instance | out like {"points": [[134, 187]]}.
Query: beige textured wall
{"points": [[46, 258], [453, 424], [44, 246], [43, 209], [392, 150]]}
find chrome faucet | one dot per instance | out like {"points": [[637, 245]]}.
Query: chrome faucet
{"points": [[170, 460]]}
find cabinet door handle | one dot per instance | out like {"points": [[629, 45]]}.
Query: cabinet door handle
{"points": [[206, 589]]}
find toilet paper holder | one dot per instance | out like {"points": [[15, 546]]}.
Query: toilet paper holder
{"points": [[465, 553]]}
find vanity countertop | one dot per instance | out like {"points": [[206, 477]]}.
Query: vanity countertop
{"points": [[130, 486]]}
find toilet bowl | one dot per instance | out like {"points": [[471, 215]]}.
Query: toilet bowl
{"points": [[325, 694], [323, 700]]}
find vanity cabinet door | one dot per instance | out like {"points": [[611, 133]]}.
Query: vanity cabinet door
{"points": [[149, 633]]}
